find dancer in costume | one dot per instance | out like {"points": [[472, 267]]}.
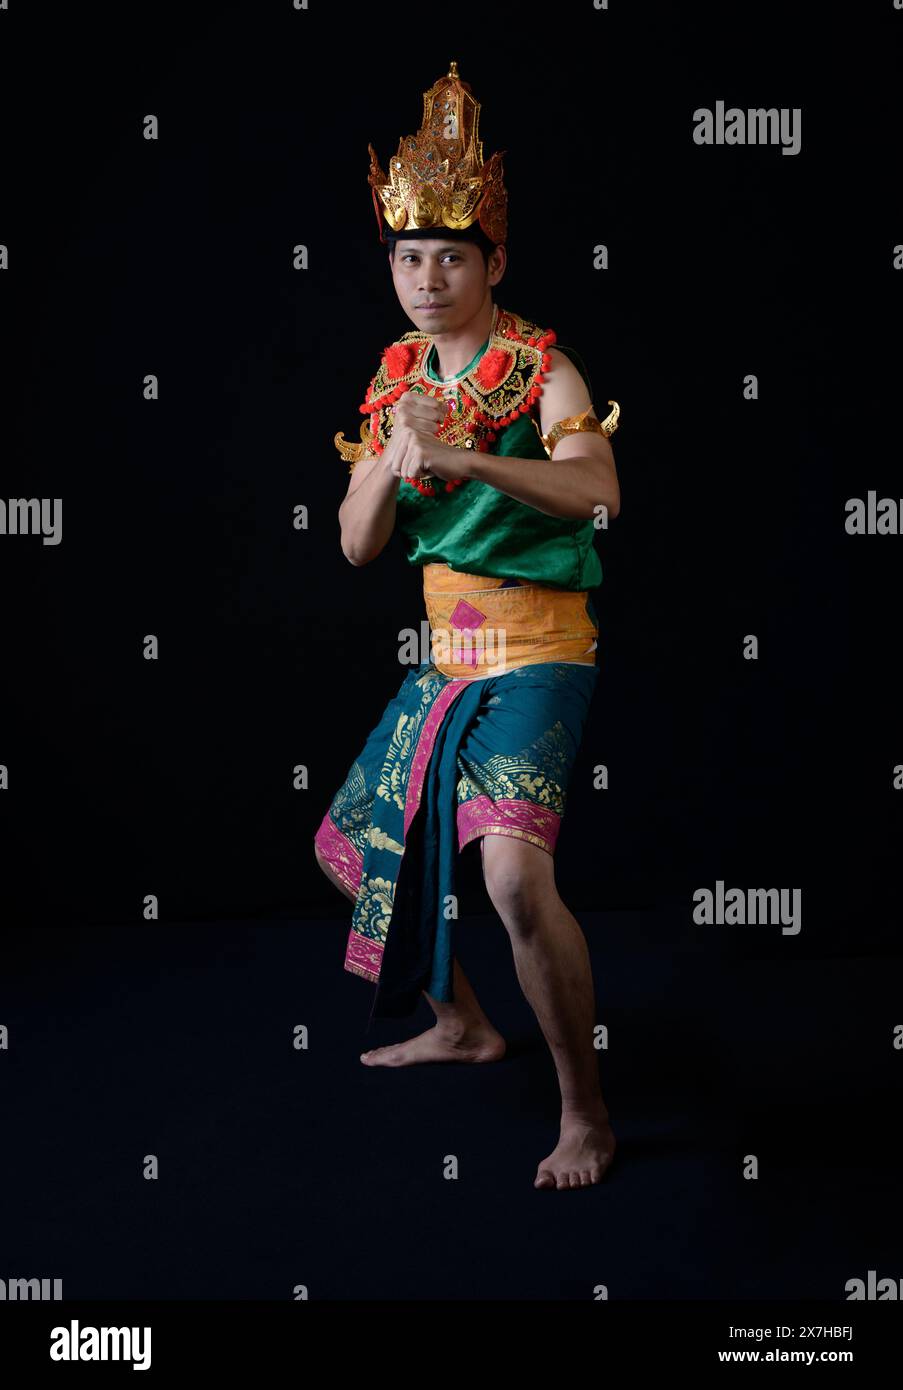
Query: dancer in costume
{"points": [[480, 443]]}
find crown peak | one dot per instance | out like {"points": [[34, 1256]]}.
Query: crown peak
{"points": [[438, 177]]}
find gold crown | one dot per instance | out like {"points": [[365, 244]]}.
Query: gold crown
{"points": [[438, 178]]}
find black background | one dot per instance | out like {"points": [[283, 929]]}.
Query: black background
{"points": [[174, 777]]}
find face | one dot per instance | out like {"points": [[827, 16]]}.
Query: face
{"points": [[450, 275]]}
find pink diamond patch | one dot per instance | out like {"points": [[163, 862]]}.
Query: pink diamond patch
{"points": [[465, 617]]}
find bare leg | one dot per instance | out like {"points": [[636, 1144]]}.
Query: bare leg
{"points": [[553, 967], [461, 1033]]}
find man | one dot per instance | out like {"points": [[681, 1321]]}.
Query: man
{"points": [[482, 447]]}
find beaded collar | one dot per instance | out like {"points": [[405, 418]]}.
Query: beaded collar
{"points": [[506, 382]]}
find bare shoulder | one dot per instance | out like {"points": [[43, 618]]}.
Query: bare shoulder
{"points": [[560, 358], [564, 391]]}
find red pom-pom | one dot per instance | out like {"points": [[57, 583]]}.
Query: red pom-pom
{"points": [[399, 359], [495, 364]]}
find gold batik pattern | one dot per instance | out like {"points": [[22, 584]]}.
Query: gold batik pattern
{"points": [[517, 776], [396, 769], [373, 910]]}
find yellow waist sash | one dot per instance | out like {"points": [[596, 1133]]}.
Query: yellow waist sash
{"points": [[484, 626]]}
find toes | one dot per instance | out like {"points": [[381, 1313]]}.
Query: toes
{"points": [[568, 1178]]}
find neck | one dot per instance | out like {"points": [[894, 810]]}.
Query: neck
{"points": [[454, 350]]}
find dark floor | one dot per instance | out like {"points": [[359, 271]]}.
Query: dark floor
{"points": [[280, 1167]]}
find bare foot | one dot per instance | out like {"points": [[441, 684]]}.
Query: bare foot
{"points": [[582, 1156], [478, 1042]]}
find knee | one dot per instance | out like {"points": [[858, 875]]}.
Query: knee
{"points": [[518, 896]]}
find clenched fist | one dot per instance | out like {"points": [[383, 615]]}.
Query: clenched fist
{"points": [[415, 419]]}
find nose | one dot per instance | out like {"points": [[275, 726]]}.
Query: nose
{"points": [[431, 277]]}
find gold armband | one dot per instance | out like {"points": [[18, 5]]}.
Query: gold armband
{"points": [[578, 424], [353, 453]]}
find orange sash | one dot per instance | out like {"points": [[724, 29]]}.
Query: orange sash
{"points": [[483, 626]]}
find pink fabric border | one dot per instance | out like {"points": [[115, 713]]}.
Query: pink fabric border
{"points": [[337, 849], [521, 819], [424, 749], [363, 956]]}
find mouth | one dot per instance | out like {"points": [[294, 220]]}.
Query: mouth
{"points": [[430, 308]]}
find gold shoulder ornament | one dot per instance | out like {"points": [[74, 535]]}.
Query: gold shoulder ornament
{"points": [[582, 423], [353, 453]]}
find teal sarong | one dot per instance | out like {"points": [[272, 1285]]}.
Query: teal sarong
{"points": [[450, 760]]}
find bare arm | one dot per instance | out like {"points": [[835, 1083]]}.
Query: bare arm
{"points": [[367, 515], [581, 473], [569, 485]]}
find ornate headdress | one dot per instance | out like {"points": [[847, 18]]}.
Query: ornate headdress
{"points": [[439, 184], [438, 178]]}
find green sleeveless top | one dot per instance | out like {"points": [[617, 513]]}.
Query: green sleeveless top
{"points": [[478, 530]]}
